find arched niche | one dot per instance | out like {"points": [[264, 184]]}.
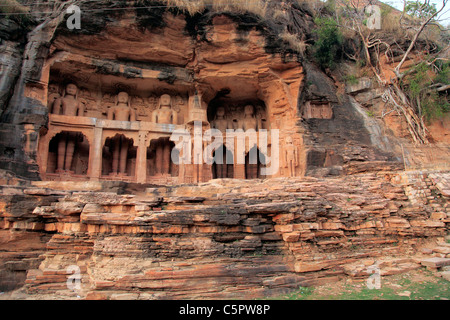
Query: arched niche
{"points": [[68, 152], [159, 158], [119, 156], [236, 112], [223, 165], [254, 161]]}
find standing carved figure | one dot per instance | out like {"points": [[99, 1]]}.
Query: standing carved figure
{"points": [[122, 111], [53, 95], [68, 105], [164, 114], [290, 156], [250, 122], [221, 123], [198, 145]]}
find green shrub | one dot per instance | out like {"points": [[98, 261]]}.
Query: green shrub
{"points": [[328, 46], [351, 79], [419, 87]]}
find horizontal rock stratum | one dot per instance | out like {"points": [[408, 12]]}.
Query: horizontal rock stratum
{"points": [[223, 239]]}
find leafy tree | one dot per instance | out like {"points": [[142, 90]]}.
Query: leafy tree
{"points": [[416, 99], [420, 10]]}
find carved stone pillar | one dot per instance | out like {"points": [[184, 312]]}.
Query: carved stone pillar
{"points": [[239, 171], [95, 155], [141, 158]]}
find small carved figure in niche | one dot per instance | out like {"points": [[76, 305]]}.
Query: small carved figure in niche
{"points": [[91, 104], [107, 98], [152, 102], [122, 110], [106, 104], [53, 95], [261, 118], [165, 114], [140, 107], [290, 156], [180, 101], [180, 104], [250, 120], [68, 105], [34, 94]]}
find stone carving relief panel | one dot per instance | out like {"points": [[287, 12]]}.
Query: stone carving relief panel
{"points": [[107, 105], [239, 116]]}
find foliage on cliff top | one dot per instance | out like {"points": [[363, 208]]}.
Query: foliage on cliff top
{"points": [[421, 84], [11, 9], [10, 6]]}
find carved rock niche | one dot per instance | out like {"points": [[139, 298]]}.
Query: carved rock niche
{"points": [[228, 114], [317, 110], [109, 130]]}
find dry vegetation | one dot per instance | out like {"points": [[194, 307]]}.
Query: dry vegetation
{"points": [[294, 42], [258, 7], [12, 6]]}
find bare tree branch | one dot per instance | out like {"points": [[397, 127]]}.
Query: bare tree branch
{"points": [[416, 36]]}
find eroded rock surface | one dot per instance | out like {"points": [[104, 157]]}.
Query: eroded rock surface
{"points": [[223, 239]]}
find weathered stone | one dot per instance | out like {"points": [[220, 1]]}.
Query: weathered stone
{"points": [[91, 111], [445, 275], [435, 263]]}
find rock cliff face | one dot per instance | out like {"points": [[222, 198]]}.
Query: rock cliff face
{"points": [[341, 205], [231, 58]]}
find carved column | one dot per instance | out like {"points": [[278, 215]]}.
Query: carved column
{"points": [[95, 155], [141, 158], [43, 148], [239, 171], [239, 160]]}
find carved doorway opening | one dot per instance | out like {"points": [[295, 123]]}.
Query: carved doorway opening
{"points": [[68, 154], [119, 157], [223, 166]]}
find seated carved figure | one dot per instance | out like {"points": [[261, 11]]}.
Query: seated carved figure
{"points": [[122, 110], [164, 113], [68, 105], [250, 120]]}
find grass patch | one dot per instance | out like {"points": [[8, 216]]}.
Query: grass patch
{"points": [[301, 294], [417, 285], [351, 79]]}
